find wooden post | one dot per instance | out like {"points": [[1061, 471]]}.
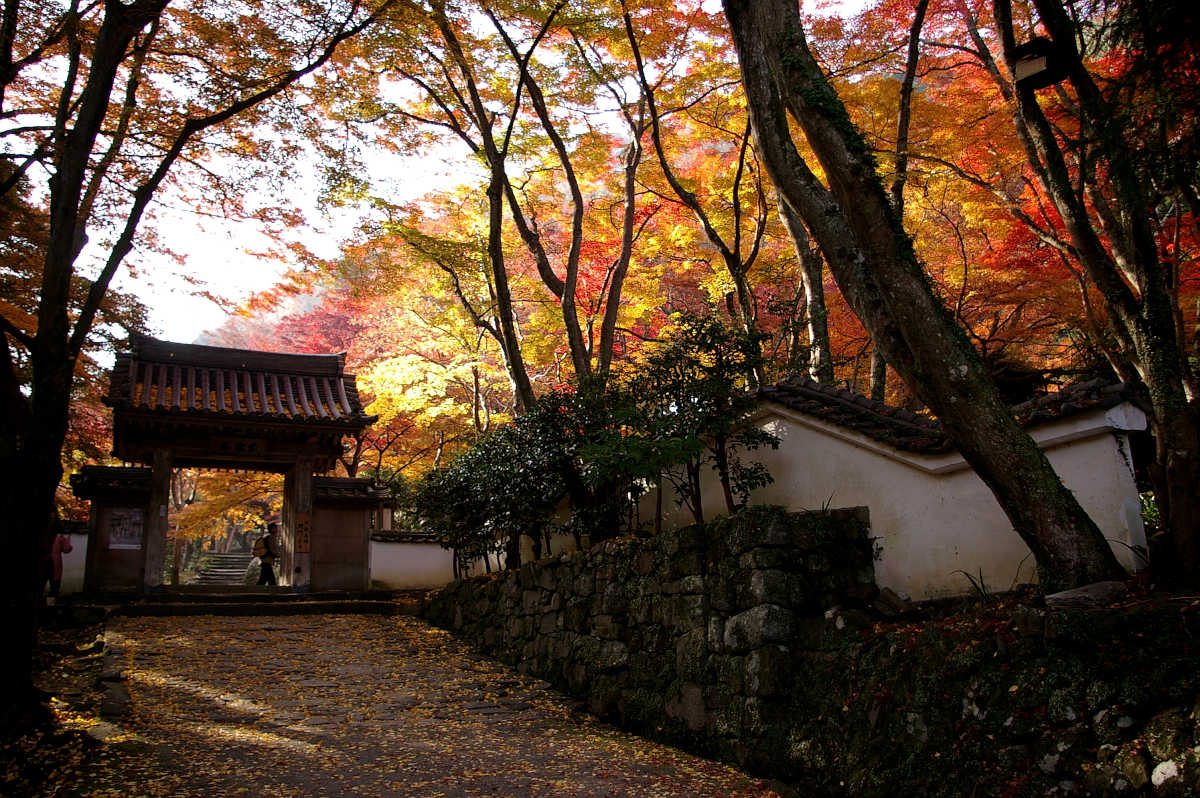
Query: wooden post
{"points": [[155, 540], [91, 568], [287, 525], [176, 545], [296, 562]]}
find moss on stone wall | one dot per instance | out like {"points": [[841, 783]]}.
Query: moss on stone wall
{"points": [[716, 639]]}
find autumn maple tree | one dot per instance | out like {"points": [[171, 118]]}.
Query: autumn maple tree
{"points": [[878, 271], [111, 101]]}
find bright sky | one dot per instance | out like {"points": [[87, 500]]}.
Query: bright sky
{"points": [[221, 253]]}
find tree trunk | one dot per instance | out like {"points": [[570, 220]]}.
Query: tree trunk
{"points": [[1110, 228], [878, 375], [32, 469], [1177, 489], [820, 358], [512, 552], [873, 262]]}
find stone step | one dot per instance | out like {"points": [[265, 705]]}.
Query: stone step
{"points": [[249, 605], [224, 568]]}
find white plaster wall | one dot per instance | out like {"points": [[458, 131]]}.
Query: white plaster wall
{"points": [[410, 566], [73, 565], [559, 544], [932, 516]]}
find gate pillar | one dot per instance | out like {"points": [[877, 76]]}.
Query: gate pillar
{"points": [[296, 561]]}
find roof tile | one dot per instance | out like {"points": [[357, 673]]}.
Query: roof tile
{"points": [[910, 432]]}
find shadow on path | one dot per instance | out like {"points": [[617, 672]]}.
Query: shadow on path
{"points": [[362, 705]]}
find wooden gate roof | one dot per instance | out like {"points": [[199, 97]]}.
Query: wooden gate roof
{"points": [[238, 408]]}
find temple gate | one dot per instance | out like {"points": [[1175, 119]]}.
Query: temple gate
{"points": [[192, 406]]}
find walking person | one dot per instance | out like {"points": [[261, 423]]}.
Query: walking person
{"points": [[266, 549], [54, 569]]}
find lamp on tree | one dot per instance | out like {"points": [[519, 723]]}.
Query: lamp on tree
{"points": [[1036, 64]]}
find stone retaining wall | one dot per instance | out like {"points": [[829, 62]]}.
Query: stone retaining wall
{"points": [[686, 637]]}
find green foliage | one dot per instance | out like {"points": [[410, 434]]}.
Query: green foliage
{"points": [[513, 480], [579, 460], [693, 397], [979, 586]]}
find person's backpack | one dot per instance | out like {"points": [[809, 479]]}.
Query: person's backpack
{"points": [[260, 548]]}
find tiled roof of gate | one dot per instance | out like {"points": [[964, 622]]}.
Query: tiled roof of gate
{"points": [[217, 381], [910, 432], [341, 489]]}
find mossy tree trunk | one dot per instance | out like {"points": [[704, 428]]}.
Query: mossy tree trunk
{"points": [[873, 261]]}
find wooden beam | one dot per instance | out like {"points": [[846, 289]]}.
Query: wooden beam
{"points": [[155, 541], [160, 398], [262, 394], [317, 402], [233, 391]]}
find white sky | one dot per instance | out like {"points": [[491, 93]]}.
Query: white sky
{"points": [[220, 253]]}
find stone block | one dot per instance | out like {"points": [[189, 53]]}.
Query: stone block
{"points": [[716, 633], [688, 563], [777, 532], [890, 604], [731, 672], [681, 613], [560, 648], [688, 706], [778, 559], [752, 716], [645, 564], [605, 628], [547, 576], [641, 608], [531, 601], [613, 654], [585, 584], [604, 701], [1132, 764], [527, 576], [1168, 733], [722, 595], [776, 587], [577, 677], [577, 614], [1093, 596], [757, 627], [691, 655], [549, 623], [614, 600], [768, 671]]}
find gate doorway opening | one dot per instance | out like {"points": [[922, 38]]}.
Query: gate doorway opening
{"points": [[187, 406]]}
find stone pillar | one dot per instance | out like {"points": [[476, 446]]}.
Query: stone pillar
{"points": [[155, 541], [296, 561]]}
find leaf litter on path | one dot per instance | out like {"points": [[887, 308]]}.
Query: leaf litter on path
{"points": [[361, 705]]}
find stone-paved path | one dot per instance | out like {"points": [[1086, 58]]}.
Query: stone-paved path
{"points": [[364, 705]]}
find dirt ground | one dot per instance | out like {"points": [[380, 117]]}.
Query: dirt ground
{"points": [[327, 705]]}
